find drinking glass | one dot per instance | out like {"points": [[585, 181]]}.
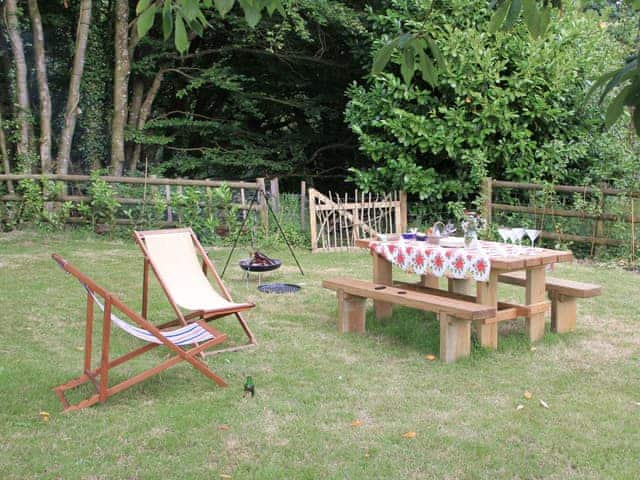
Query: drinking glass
{"points": [[517, 234], [532, 234], [505, 234]]}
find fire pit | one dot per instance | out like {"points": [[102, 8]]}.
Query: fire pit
{"points": [[260, 263]]}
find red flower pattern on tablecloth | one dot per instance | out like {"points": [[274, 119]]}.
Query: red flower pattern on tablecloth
{"points": [[449, 262]]}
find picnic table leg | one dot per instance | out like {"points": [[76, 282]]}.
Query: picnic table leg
{"points": [[488, 295], [382, 275], [535, 290], [464, 285], [430, 281]]}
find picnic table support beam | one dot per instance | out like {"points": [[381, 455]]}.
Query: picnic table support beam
{"points": [[563, 313], [460, 285], [351, 313], [487, 294], [430, 281], [535, 287], [455, 338], [382, 275]]}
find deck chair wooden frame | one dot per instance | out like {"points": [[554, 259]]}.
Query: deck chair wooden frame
{"points": [[207, 267], [99, 376]]}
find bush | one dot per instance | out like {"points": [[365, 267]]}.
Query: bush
{"points": [[507, 107]]}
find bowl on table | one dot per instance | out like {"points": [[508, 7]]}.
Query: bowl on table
{"points": [[421, 237], [408, 236]]}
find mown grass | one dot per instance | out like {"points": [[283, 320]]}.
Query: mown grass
{"points": [[311, 383]]}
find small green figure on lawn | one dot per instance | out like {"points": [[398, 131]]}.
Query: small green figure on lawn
{"points": [[249, 387]]}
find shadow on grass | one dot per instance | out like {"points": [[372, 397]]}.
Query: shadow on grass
{"points": [[421, 331]]}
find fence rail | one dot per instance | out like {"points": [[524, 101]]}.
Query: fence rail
{"points": [[242, 200], [599, 234]]}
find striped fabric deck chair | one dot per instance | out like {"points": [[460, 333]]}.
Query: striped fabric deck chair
{"points": [[185, 337], [173, 255]]}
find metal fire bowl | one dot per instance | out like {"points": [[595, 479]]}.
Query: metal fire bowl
{"points": [[254, 267]]}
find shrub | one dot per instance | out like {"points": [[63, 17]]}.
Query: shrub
{"points": [[507, 106]]}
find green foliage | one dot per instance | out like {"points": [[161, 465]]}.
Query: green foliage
{"points": [[506, 107], [184, 16], [103, 206], [39, 206]]}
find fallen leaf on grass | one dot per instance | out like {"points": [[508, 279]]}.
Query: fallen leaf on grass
{"points": [[637, 404], [45, 416], [430, 357], [223, 427], [544, 404], [79, 349], [224, 475], [520, 406], [528, 394], [533, 349], [356, 423], [409, 435]]}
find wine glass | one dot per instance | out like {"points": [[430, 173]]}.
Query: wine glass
{"points": [[532, 234], [505, 234], [517, 234]]}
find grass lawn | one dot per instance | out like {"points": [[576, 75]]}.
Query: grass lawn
{"points": [[312, 383]]}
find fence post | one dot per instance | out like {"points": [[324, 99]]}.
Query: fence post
{"points": [[275, 194], [303, 205], [262, 202], [167, 196], [486, 199], [403, 212], [312, 219]]}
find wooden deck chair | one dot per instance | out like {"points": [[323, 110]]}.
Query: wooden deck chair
{"points": [[173, 258], [186, 341]]}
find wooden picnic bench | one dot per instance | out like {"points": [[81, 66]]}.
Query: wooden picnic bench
{"points": [[455, 315], [562, 293]]}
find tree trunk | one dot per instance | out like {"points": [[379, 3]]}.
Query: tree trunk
{"points": [[120, 85], [134, 113], [23, 110], [73, 96], [43, 87], [145, 111], [4, 152]]}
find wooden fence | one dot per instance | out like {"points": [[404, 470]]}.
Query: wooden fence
{"points": [[336, 221], [75, 191], [591, 220]]}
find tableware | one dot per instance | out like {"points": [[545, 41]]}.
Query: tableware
{"points": [[517, 235], [532, 234], [382, 237], [505, 234], [408, 236], [421, 237], [452, 242]]}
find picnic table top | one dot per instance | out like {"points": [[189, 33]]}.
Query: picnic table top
{"points": [[504, 261]]}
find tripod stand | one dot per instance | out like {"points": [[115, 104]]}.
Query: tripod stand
{"points": [[254, 199]]}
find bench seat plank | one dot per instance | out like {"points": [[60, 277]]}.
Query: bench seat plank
{"points": [[421, 301], [559, 286]]}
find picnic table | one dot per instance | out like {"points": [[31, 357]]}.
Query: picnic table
{"points": [[464, 267]]}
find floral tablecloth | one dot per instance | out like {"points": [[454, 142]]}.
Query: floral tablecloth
{"points": [[422, 258]]}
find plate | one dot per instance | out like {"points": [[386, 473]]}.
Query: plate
{"points": [[452, 242]]}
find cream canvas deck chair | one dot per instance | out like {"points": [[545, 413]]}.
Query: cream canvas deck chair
{"points": [[173, 258], [184, 336]]}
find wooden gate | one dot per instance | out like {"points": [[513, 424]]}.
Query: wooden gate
{"points": [[336, 221]]}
